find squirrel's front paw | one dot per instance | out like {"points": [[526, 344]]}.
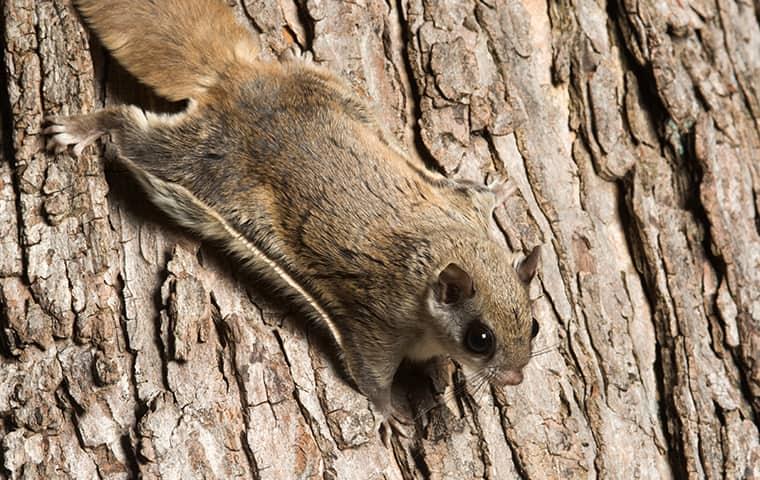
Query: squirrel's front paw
{"points": [[501, 187], [394, 421], [78, 130]]}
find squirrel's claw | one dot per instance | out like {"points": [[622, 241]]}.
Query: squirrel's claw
{"points": [[396, 422], [501, 187], [295, 54], [65, 131]]}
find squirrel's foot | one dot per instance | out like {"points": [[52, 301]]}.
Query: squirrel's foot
{"points": [[397, 422], [295, 54], [77, 130], [501, 187]]}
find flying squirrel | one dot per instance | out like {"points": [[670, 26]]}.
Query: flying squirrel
{"points": [[286, 168]]}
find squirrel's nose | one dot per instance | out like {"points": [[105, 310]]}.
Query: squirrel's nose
{"points": [[509, 377]]}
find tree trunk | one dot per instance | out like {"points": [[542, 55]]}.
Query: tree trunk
{"points": [[632, 129]]}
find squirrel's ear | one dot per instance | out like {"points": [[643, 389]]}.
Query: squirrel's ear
{"points": [[526, 268], [453, 285]]}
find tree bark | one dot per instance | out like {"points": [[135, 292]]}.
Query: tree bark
{"points": [[632, 129]]}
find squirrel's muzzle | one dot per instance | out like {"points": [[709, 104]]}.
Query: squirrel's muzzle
{"points": [[507, 377]]}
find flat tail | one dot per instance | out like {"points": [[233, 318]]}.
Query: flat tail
{"points": [[180, 48]]}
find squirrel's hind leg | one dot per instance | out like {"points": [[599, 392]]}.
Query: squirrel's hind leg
{"points": [[160, 166], [80, 131], [155, 143]]}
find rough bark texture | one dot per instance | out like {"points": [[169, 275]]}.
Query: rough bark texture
{"points": [[632, 129]]}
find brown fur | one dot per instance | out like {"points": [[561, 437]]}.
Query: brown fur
{"points": [[178, 47], [285, 167]]}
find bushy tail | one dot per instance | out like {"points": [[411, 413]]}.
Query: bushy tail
{"points": [[178, 47]]}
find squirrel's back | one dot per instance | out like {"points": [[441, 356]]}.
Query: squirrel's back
{"points": [[178, 47]]}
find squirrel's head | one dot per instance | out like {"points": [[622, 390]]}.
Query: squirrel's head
{"points": [[481, 311]]}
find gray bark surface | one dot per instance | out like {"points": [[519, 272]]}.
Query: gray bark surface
{"points": [[632, 129]]}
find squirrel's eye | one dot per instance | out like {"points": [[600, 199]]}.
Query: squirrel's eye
{"points": [[479, 339], [534, 329]]}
